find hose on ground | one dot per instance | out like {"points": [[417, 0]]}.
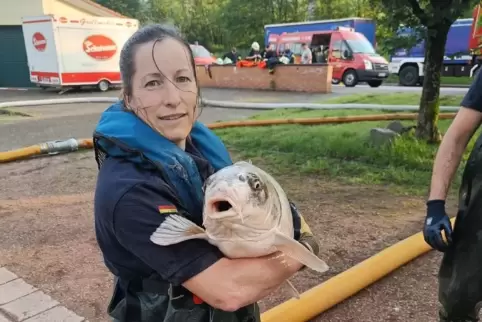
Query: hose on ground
{"points": [[70, 145], [234, 105], [346, 284]]}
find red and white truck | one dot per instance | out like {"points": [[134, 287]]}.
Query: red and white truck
{"points": [[75, 51]]}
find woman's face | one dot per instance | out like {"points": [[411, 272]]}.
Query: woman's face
{"points": [[165, 100]]}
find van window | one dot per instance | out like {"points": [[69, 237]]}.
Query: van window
{"points": [[361, 45], [343, 48], [281, 48], [336, 49]]}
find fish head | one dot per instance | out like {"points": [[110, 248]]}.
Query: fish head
{"points": [[244, 194]]}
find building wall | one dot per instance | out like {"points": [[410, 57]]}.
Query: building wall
{"points": [[60, 8], [12, 11]]}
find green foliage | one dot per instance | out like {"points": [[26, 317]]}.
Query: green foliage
{"points": [[221, 24]]}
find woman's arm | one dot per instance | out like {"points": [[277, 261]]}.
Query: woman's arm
{"points": [[230, 284], [250, 279], [223, 283]]}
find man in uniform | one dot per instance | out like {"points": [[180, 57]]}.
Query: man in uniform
{"points": [[460, 275]]}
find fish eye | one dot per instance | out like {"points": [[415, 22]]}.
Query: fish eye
{"points": [[256, 184]]}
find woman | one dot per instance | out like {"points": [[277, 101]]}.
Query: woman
{"points": [[153, 158]]}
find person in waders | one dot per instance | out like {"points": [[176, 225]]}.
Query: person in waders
{"points": [[460, 274], [153, 157]]}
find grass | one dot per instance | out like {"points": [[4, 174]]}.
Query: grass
{"points": [[7, 112], [392, 99], [446, 80], [339, 151]]}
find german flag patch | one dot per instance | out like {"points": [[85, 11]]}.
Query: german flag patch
{"points": [[167, 210]]}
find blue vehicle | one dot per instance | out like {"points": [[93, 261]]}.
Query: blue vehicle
{"points": [[408, 63], [362, 25]]}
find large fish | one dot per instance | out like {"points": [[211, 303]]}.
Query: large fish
{"points": [[246, 214]]}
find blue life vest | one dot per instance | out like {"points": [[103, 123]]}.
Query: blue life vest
{"points": [[139, 141]]}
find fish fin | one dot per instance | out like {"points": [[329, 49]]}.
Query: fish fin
{"points": [[293, 290], [175, 229], [292, 248]]}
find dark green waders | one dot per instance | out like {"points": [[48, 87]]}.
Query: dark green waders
{"points": [[156, 301], [460, 275]]}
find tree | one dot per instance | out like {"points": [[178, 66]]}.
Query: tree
{"points": [[436, 17]]}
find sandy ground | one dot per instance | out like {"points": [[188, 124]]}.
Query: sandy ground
{"points": [[47, 234], [48, 239]]}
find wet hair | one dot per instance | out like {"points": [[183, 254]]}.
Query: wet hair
{"points": [[149, 33]]}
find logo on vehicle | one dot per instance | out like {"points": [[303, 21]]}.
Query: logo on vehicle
{"points": [[99, 47], [39, 41], [63, 20]]}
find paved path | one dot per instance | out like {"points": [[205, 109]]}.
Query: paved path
{"points": [[20, 301], [29, 131]]}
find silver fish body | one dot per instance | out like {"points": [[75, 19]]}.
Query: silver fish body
{"points": [[246, 214]]}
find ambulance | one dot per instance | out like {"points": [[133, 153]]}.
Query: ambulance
{"points": [[75, 51]]}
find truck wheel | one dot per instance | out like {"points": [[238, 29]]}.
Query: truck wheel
{"points": [[335, 81], [350, 78], [375, 83], [409, 76], [103, 85]]}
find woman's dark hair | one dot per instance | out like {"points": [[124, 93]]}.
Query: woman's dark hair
{"points": [[156, 33]]}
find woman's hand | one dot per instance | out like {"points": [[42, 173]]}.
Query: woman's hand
{"points": [[231, 284]]}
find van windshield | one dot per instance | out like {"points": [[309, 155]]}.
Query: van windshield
{"points": [[361, 45], [200, 51]]}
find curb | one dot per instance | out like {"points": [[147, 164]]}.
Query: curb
{"points": [[15, 89], [441, 86], [20, 301]]}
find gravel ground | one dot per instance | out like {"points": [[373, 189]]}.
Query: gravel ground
{"points": [[48, 239]]}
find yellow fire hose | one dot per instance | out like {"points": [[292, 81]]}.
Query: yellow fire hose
{"points": [[55, 147], [338, 288]]}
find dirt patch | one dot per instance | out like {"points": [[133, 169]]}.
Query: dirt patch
{"points": [[48, 239]]}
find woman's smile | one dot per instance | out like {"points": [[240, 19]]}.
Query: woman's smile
{"points": [[173, 117]]}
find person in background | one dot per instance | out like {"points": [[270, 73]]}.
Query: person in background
{"points": [[153, 159], [254, 53], [271, 58], [232, 55], [460, 274], [306, 55], [288, 54], [265, 51]]}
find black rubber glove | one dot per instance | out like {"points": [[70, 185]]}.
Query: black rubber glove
{"points": [[436, 221]]}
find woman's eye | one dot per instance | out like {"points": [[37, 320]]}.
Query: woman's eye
{"points": [[183, 79], [153, 83]]}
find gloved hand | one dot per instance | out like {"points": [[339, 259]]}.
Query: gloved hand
{"points": [[436, 221]]}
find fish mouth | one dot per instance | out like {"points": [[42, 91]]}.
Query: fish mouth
{"points": [[222, 205], [222, 208]]}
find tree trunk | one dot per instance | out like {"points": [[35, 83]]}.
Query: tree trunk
{"points": [[429, 101]]}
